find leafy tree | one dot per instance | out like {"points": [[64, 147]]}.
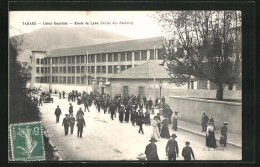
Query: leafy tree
{"points": [[21, 107], [202, 45]]}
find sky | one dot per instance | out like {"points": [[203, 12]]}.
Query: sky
{"points": [[141, 25]]}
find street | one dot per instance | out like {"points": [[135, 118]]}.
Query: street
{"points": [[106, 139]]}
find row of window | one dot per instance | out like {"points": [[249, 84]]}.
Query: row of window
{"points": [[82, 69], [61, 79], [124, 56]]}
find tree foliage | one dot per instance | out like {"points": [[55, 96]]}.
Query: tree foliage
{"points": [[202, 45], [21, 107]]}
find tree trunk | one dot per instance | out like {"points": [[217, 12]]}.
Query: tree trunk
{"points": [[219, 94]]}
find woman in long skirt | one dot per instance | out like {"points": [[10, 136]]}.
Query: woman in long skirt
{"points": [[165, 129], [174, 121], [121, 113], [147, 120], [155, 132], [127, 112], [210, 136]]}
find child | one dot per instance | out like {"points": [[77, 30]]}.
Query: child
{"points": [[187, 152]]}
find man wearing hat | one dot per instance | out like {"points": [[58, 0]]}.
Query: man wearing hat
{"points": [[187, 152], [57, 113], [121, 113], [72, 124], [70, 109], [66, 123], [80, 124], [80, 112], [204, 121], [140, 121], [151, 151], [223, 137], [172, 148]]}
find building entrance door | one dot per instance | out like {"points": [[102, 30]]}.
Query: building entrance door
{"points": [[125, 91], [141, 91]]}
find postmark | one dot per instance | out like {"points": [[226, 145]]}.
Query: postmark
{"points": [[27, 142]]}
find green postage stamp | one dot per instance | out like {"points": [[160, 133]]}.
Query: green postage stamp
{"points": [[26, 142]]}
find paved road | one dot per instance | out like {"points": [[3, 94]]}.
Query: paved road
{"points": [[106, 139]]}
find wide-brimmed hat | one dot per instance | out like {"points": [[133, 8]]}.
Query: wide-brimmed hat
{"points": [[66, 114], [152, 139], [225, 123], [187, 142], [173, 135]]}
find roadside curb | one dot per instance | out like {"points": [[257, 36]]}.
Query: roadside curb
{"points": [[201, 134]]}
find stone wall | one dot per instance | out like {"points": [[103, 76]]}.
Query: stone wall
{"points": [[191, 110]]}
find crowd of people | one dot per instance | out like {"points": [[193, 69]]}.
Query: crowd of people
{"points": [[137, 110]]}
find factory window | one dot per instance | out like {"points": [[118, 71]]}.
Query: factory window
{"points": [[115, 57], [82, 59], [60, 71], [151, 54], [103, 57], [42, 70], [115, 69], [92, 58], [64, 60], [99, 58], [64, 79], [129, 66], [64, 70], [104, 69], [109, 69], [129, 56], [38, 80], [137, 56], [69, 60], [78, 59], [143, 55], [109, 57], [45, 61], [69, 70], [73, 69], [73, 59], [122, 67], [78, 69], [73, 80], [45, 70], [92, 69], [82, 69], [98, 69], [78, 80], [60, 79], [122, 56], [69, 80], [49, 61], [161, 54], [37, 61], [82, 80], [42, 61], [89, 80], [60, 60]]}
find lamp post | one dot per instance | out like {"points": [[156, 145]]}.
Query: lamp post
{"points": [[160, 85]]}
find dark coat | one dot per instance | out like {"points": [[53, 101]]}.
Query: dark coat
{"points": [[57, 111], [66, 122], [151, 152], [81, 122], [72, 121], [172, 147], [187, 152], [204, 119]]}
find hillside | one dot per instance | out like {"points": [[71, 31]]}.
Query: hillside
{"points": [[50, 38]]}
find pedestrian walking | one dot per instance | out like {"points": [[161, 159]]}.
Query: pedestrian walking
{"points": [[72, 124], [210, 134], [63, 94], [57, 113], [66, 123], [40, 101], [133, 115], [140, 122], [174, 121], [187, 152], [223, 137], [59, 95], [155, 133], [80, 124], [70, 109], [112, 109], [80, 113], [147, 119], [86, 104], [151, 151], [204, 121], [127, 112], [172, 148], [165, 129], [121, 113]]}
